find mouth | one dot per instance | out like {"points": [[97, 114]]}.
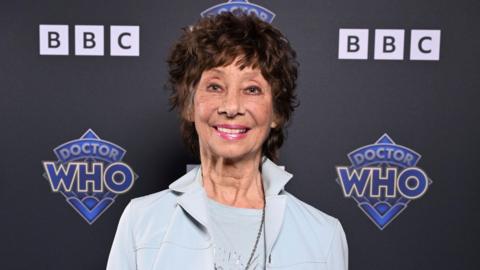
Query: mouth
{"points": [[232, 132]]}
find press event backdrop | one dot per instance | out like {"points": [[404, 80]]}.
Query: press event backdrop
{"points": [[398, 77]]}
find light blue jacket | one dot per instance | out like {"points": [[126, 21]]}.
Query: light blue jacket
{"points": [[169, 229]]}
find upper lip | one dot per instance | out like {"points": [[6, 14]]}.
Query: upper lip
{"points": [[230, 126]]}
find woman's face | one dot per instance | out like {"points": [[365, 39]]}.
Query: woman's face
{"points": [[233, 112]]}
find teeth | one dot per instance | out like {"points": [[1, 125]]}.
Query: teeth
{"points": [[233, 131]]}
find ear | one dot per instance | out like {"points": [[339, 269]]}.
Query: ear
{"points": [[189, 112], [188, 115], [275, 121]]}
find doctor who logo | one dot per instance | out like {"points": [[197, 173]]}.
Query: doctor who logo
{"points": [[383, 179], [90, 174], [243, 5]]}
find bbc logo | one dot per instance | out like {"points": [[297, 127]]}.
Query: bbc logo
{"points": [[89, 40], [389, 44]]}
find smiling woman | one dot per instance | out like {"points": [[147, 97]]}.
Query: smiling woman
{"points": [[232, 112], [233, 80]]}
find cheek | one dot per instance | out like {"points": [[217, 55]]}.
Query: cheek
{"points": [[204, 109], [263, 113]]}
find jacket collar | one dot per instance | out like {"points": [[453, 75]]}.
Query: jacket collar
{"points": [[274, 179], [193, 198]]}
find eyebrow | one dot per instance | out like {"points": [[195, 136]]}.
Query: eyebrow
{"points": [[251, 75], [217, 70]]}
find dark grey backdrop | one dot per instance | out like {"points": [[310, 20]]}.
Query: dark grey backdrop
{"points": [[431, 107]]}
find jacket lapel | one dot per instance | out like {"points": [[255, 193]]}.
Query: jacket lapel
{"points": [[188, 227], [274, 180], [192, 198]]}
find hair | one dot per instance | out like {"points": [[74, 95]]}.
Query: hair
{"points": [[217, 41]]}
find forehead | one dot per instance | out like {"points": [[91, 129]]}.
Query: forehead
{"points": [[235, 70]]}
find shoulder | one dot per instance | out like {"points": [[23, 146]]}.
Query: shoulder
{"points": [[149, 206], [148, 216], [151, 200], [323, 229], [306, 211]]}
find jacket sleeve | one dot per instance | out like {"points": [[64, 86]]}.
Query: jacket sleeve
{"points": [[338, 254], [122, 253]]}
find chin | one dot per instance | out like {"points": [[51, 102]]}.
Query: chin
{"points": [[232, 154]]}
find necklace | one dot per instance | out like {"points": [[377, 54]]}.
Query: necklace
{"points": [[256, 241], [258, 238]]}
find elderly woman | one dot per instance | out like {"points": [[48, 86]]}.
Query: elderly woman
{"points": [[233, 78]]}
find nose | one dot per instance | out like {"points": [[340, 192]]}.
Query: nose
{"points": [[231, 104]]}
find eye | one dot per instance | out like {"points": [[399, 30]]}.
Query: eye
{"points": [[254, 90], [214, 87]]}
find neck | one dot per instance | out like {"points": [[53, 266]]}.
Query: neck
{"points": [[236, 183]]}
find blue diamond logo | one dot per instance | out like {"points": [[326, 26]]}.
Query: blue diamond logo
{"points": [[90, 174], [383, 179]]}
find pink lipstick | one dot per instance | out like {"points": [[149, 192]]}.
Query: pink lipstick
{"points": [[231, 132]]}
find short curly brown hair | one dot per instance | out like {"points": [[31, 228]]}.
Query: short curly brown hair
{"points": [[217, 41]]}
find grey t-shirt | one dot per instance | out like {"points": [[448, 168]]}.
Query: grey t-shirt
{"points": [[234, 231]]}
